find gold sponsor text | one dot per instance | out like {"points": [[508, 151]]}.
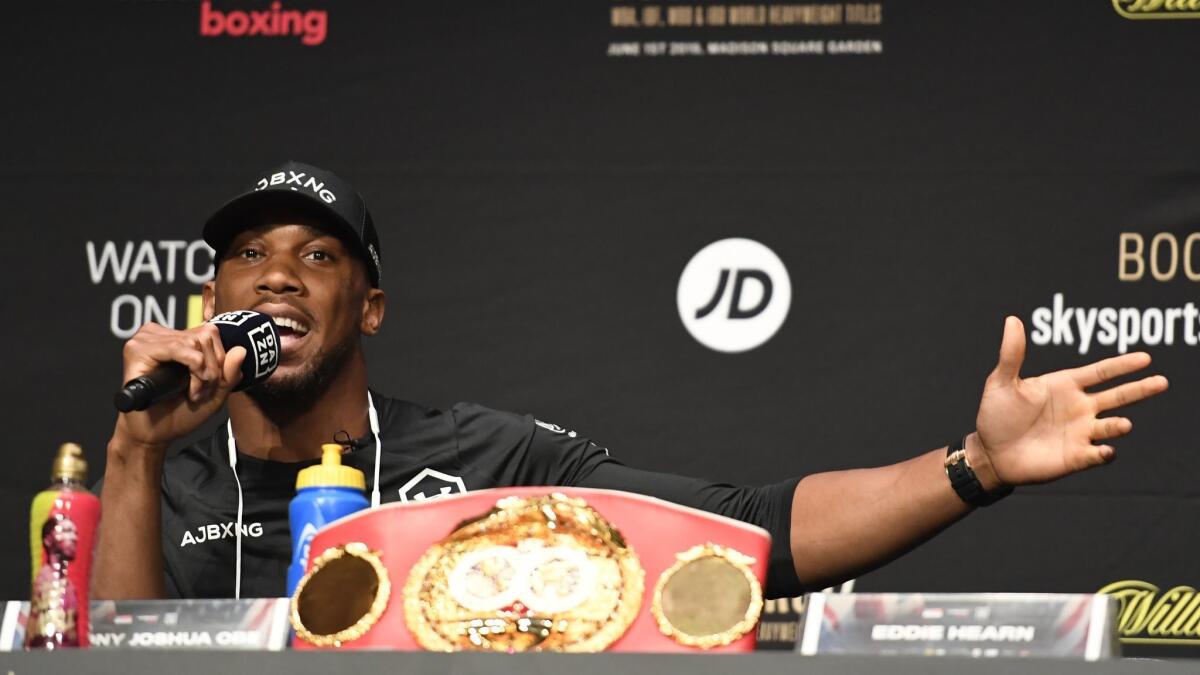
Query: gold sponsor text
{"points": [[1158, 9], [1148, 615]]}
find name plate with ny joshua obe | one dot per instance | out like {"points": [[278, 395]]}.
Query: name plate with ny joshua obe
{"points": [[248, 624], [951, 624]]}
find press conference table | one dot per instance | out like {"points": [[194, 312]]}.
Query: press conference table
{"points": [[74, 662]]}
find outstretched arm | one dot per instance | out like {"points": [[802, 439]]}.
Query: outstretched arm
{"points": [[1031, 430]]}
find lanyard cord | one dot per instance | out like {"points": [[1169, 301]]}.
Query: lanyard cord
{"points": [[372, 418]]}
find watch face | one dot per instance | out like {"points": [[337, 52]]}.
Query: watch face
{"points": [[966, 484], [958, 457], [960, 476]]}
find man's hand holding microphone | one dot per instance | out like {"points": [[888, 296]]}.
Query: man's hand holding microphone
{"points": [[175, 380]]}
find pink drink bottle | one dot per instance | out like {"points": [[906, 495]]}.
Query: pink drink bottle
{"points": [[62, 531]]}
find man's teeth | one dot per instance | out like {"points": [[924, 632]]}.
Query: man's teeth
{"points": [[291, 324]]}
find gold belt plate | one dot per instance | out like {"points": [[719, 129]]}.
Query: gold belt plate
{"points": [[545, 573]]}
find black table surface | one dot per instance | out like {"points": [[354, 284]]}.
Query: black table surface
{"points": [[74, 662]]}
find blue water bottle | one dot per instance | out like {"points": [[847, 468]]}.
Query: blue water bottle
{"points": [[325, 492]]}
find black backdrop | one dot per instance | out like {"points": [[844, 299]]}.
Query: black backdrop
{"points": [[539, 196]]}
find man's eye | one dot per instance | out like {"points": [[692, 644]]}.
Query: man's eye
{"points": [[318, 255], [250, 254]]}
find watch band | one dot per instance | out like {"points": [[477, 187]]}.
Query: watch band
{"points": [[964, 481]]}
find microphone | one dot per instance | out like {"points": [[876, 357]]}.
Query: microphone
{"points": [[253, 330]]}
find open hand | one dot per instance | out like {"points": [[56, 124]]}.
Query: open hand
{"points": [[1042, 428]]}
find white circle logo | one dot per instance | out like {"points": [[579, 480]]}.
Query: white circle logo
{"points": [[734, 295]]}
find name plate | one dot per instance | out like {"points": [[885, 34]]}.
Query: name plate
{"points": [[251, 624], [951, 624]]}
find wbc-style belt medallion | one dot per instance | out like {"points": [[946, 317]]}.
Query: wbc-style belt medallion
{"points": [[542, 573], [708, 598]]}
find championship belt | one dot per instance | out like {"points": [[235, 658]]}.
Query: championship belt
{"points": [[530, 569]]}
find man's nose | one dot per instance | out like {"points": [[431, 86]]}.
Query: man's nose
{"points": [[278, 275]]}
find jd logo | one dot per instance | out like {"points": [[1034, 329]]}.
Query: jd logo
{"points": [[735, 309], [734, 295]]}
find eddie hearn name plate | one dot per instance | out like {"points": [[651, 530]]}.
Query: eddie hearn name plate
{"points": [[950, 624]]}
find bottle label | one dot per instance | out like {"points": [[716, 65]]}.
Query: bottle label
{"points": [[54, 607], [306, 537], [58, 605]]}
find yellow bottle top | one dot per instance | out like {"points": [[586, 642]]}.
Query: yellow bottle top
{"points": [[69, 465], [330, 472]]}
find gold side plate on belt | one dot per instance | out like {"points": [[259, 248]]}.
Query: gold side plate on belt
{"points": [[708, 598], [533, 574], [341, 597]]}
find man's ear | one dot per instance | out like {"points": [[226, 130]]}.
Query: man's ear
{"points": [[208, 293], [374, 304]]}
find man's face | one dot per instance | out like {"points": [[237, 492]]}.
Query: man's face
{"points": [[65, 539], [315, 289]]}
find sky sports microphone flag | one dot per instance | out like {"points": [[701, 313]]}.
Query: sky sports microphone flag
{"points": [[254, 331]]}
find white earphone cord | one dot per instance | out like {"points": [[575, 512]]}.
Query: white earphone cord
{"points": [[372, 418], [237, 531]]}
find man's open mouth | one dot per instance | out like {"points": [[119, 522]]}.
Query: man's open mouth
{"points": [[290, 327], [292, 333]]}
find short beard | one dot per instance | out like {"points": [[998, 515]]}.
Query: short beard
{"points": [[285, 400]]}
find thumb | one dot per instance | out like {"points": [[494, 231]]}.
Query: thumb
{"points": [[1012, 350], [231, 370]]}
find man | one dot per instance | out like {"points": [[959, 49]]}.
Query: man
{"points": [[302, 247]]}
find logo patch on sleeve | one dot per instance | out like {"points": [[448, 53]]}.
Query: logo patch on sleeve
{"points": [[554, 428]]}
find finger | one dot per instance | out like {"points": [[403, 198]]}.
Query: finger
{"points": [[232, 374], [1108, 369], [218, 346], [211, 376], [200, 374], [1110, 427], [152, 328], [1103, 454], [1130, 392], [219, 350], [1012, 350], [190, 359], [143, 356]]}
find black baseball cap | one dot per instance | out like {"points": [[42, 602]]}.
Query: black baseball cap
{"points": [[310, 189]]}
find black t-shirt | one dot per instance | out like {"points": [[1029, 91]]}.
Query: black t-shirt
{"points": [[426, 453]]}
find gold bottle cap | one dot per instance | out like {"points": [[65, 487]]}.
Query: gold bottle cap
{"points": [[69, 465]]}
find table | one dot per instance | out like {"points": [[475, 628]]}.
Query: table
{"points": [[75, 662]]}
